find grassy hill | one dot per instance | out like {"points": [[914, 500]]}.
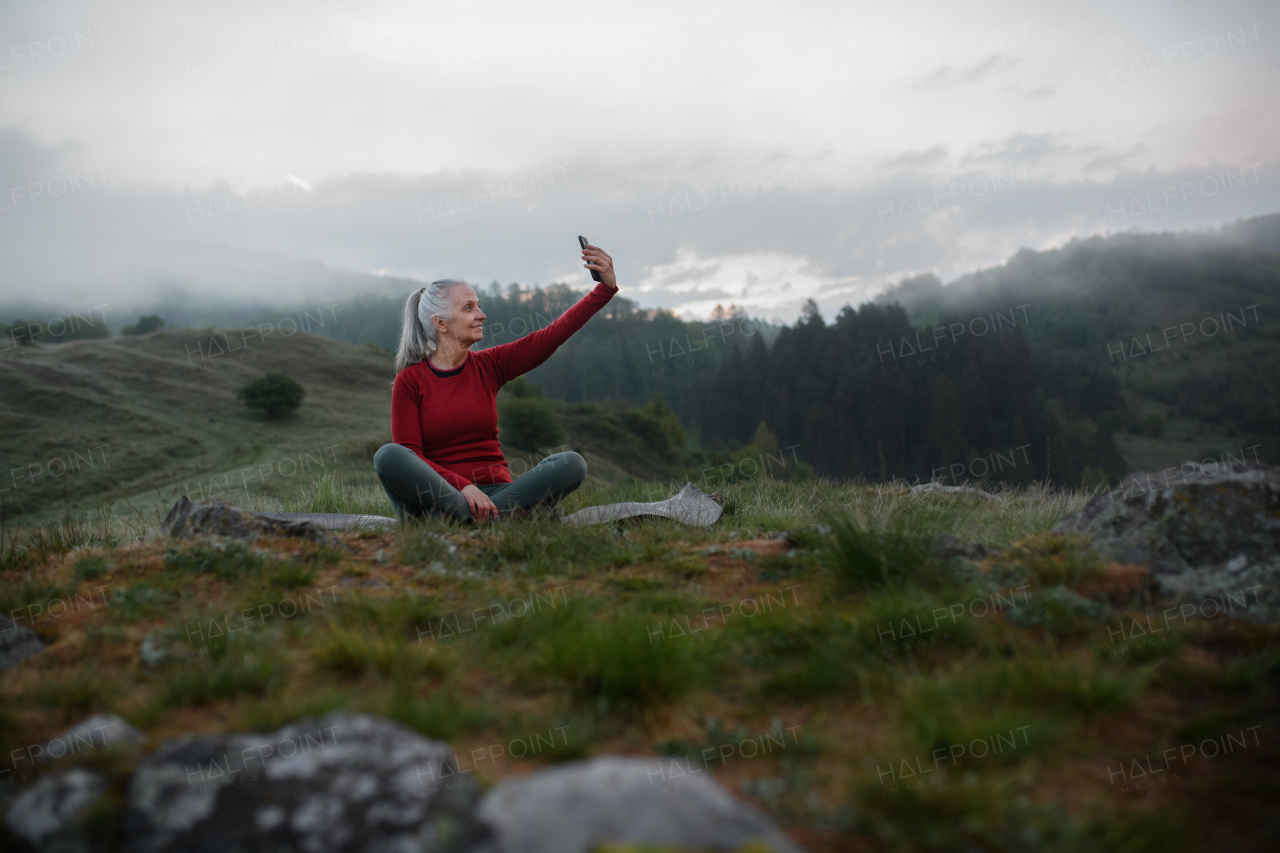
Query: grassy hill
{"points": [[137, 421], [160, 416]]}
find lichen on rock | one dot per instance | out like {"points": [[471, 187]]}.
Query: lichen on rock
{"points": [[1204, 536]]}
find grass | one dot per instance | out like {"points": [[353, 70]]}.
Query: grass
{"points": [[654, 638], [229, 560], [355, 651], [80, 690], [610, 663], [443, 714], [204, 681], [889, 558]]}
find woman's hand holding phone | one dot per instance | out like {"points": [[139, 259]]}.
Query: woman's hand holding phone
{"points": [[600, 264]]}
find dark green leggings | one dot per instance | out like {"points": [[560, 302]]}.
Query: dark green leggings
{"points": [[416, 490]]}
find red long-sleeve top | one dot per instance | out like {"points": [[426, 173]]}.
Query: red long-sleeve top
{"points": [[449, 418]]}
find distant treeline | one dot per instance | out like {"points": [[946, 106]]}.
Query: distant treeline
{"points": [[872, 396]]}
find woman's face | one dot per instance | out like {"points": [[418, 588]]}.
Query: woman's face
{"points": [[466, 320]]}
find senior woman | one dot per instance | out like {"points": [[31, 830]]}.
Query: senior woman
{"points": [[446, 459]]}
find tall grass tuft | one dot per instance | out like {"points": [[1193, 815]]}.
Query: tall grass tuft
{"points": [[203, 681], [863, 558], [612, 663], [329, 493], [36, 545], [444, 714], [81, 690], [357, 650]]}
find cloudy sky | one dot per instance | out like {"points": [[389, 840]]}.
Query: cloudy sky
{"points": [[751, 152]]}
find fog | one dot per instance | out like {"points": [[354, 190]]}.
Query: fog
{"points": [[760, 154]]}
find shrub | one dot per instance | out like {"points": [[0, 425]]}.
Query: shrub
{"points": [[648, 429], [145, 325], [657, 427], [273, 393], [525, 419], [658, 411]]}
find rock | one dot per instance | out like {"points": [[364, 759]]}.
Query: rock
{"points": [[573, 808], [181, 507], [153, 651], [947, 546], [342, 783], [219, 518], [17, 643], [1203, 536], [100, 732], [164, 646], [959, 491], [46, 814], [689, 506]]}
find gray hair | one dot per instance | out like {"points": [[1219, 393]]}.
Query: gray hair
{"points": [[418, 335]]}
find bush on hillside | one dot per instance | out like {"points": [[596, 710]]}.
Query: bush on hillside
{"points": [[145, 325], [273, 393], [525, 419]]}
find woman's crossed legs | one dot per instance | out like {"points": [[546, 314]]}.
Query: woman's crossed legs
{"points": [[415, 489]]}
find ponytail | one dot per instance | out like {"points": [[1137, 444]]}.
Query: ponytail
{"points": [[418, 334]]}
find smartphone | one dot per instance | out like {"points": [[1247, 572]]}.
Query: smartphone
{"points": [[582, 241]]}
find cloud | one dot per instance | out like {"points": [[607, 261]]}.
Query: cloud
{"points": [[949, 75], [1019, 148], [24, 160], [1114, 161], [911, 160], [766, 248]]}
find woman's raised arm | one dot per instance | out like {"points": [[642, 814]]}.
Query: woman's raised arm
{"points": [[525, 354]]}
